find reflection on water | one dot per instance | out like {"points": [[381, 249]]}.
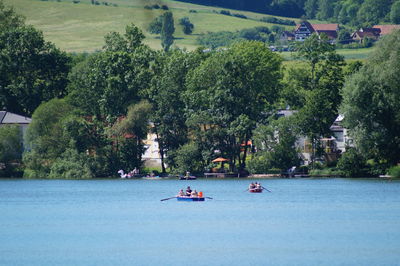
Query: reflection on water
{"points": [[123, 222]]}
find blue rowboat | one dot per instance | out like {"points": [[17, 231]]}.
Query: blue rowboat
{"points": [[189, 199]]}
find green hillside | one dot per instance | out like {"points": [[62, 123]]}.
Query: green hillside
{"points": [[81, 27]]}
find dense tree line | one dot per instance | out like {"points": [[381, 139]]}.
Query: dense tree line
{"points": [[91, 114], [352, 12]]}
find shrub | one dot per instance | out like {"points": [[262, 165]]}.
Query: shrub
{"points": [[155, 26], [188, 158], [352, 163], [332, 171], [192, 11], [164, 7], [71, 165], [187, 25], [394, 171], [275, 20], [240, 16], [225, 12], [258, 165]]}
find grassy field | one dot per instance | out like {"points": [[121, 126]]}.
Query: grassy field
{"points": [[81, 27], [349, 54]]}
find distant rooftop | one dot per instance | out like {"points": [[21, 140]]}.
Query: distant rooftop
{"points": [[11, 118]]}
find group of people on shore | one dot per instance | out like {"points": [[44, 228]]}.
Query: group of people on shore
{"points": [[255, 185], [190, 193]]}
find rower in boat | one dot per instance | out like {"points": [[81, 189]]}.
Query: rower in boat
{"points": [[252, 186], [194, 194], [188, 191], [181, 193]]}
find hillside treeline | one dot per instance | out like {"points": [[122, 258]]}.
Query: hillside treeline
{"points": [[351, 12], [91, 114]]}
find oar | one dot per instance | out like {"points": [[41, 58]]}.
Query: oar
{"points": [[168, 198], [246, 190], [208, 198], [266, 189]]}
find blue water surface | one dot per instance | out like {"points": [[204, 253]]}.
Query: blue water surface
{"points": [[123, 222]]}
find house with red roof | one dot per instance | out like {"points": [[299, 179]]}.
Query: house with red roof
{"points": [[386, 29], [361, 34], [305, 29], [373, 33]]}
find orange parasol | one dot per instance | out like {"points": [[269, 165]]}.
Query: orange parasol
{"points": [[220, 159]]}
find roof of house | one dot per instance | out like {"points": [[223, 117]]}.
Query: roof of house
{"points": [[307, 24], [11, 118], [325, 27], [367, 32], [330, 34], [386, 29]]}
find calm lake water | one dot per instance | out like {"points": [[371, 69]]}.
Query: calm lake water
{"points": [[123, 222]]}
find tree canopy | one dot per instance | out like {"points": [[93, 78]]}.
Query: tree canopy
{"points": [[370, 103]]}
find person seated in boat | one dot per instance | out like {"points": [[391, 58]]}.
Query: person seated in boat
{"points": [[252, 186], [181, 193], [258, 186], [194, 194], [188, 191]]}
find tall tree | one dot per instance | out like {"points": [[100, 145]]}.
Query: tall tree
{"points": [[167, 31], [322, 94], [311, 7], [166, 95], [227, 94], [372, 12], [395, 13], [45, 137], [370, 103], [8, 18], [31, 70], [325, 9]]}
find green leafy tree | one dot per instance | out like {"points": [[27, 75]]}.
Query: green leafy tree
{"points": [[276, 144], [372, 12], [10, 146], [166, 95], [187, 26], [395, 13], [325, 9], [129, 42], [167, 31], [31, 70], [113, 80], [322, 94], [9, 19], [45, 137], [156, 25], [71, 165], [130, 133], [311, 7], [188, 158], [370, 103], [352, 163], [315, 50], [227, 94]]}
